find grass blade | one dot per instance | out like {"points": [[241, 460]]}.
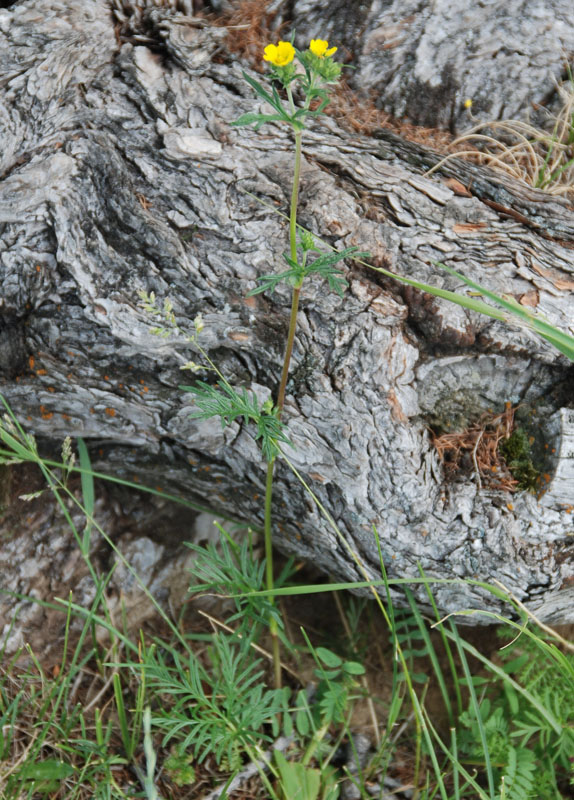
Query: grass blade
{"points": [[88, 492], [475, 707], [431, 654]]}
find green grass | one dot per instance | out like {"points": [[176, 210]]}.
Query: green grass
{"points": [[176, 715]]}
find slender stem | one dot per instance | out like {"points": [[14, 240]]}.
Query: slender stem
{"points": [[288, 349], [318, 737], [269, 573], [297, 289], [281, 401], [295, 196]]}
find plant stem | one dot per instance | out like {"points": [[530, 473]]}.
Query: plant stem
{"points": [[269, 574], [280, 403], [297, 289], [288, 348], [295, 197]]}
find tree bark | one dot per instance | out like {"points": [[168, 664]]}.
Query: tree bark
{"points": [[120, 171]]}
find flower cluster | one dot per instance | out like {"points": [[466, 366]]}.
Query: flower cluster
{"points": [[283, 53], [319, 70], [317, 60]]}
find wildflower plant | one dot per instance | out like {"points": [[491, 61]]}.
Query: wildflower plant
{"points": [[319, 71], [309, 82], [297, 94]]}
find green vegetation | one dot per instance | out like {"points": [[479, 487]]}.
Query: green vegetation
{"points": [[164, 716], [516, 451], [177, 714]]}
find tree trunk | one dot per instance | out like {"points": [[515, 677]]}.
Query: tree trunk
{"points": [[120, 171]]}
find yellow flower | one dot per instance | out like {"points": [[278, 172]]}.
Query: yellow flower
{"points": [[319, 48], [279, 54], [468, 103]]}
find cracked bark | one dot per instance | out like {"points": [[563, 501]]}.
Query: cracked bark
{"points": [[120, 171]]}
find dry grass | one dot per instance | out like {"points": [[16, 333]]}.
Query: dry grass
{"points": [[250, 27], [540, 158]]}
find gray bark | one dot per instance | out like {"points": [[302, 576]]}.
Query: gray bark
{"points": [[120, 171]]}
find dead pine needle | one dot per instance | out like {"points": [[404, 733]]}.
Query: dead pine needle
{"points": [[477, 448]]}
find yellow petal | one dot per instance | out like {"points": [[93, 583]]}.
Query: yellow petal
{"points": [[330, 52], [270, 53], [279, 54], [285, 54], [318, 47]]}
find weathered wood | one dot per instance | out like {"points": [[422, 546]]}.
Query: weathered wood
{"points": [[120, 171]]}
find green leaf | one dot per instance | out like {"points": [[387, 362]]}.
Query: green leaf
{"points": [[15, 445], [251, 117], [328, 658], [262, 119], [326, 260], [270, 282], [302, 723], [328, 674], [333, 704], [49, 770], [260, 91], [416, 677], [516, 664], [274, 101], [353, 668], [287, 725], [560, 340], [228, 404], [298, 782], [512, 699], [323, 265], [88, 492], [302, 715]]}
